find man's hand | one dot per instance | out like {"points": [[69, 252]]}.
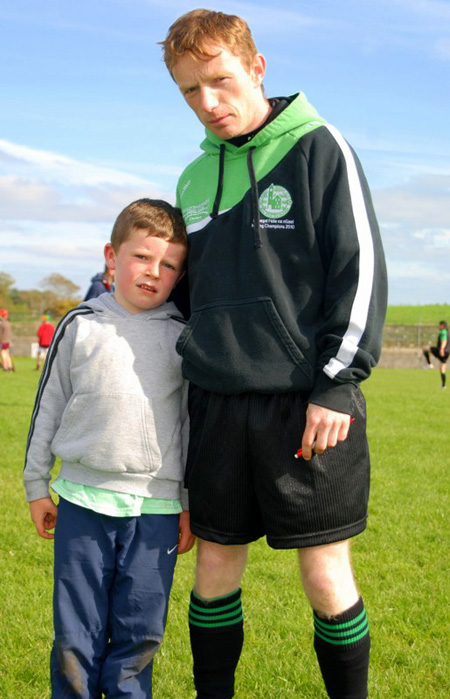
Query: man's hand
{"points": [[324, 428], [44, 514], [186, 538]]}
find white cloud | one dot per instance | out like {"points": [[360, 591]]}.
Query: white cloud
{"points": [[30, 250], [59, 168], [38, 185], [433, 238], [422, 202], [410, 270], [415, 225], [56, 213]]}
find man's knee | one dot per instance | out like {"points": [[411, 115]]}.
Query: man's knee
{"points": [[327, 577], [219, 568]]}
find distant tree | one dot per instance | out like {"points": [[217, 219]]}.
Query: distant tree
{"points": [[14, 295], [58, 295], [37, 301], [62, 306], [62, 287], [6, 282]]}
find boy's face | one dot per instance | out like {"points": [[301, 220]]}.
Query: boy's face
{"points": [[145, 269], [225, 96]]}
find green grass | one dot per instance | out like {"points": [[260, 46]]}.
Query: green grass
{"points": [[418, 315], [401, 563]]}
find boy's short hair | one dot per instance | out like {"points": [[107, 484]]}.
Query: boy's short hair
{"points": [[158, 217], [193, 32]]}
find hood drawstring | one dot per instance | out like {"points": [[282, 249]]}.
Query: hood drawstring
{"points": [[215, 211], [255, 194], [255, 199]]}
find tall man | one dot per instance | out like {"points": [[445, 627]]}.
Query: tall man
{"points": [[288, 296]]}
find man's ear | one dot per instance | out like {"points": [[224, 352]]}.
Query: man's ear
{"points": [[110, 257], [258, 69]]}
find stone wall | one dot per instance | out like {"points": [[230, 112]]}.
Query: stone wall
{"points": [[401, 358], [22, 345], [400, 346]]}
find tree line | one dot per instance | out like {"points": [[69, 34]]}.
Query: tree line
{"points": [[56, 296]]}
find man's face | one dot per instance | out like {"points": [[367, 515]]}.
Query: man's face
{"points": [[226, 97], [146, 270]]}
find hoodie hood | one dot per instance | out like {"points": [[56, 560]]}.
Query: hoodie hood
{"points": [[299, 116], [107, 306], [262, 153]]}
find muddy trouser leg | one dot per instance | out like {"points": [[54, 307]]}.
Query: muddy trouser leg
{"points": [[112, 581]]}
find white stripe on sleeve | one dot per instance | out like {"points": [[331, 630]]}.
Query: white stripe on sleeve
{"points": [[361, 302]]}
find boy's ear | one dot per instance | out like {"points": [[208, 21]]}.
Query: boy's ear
{"points": [[180, 277], [110, 256]]}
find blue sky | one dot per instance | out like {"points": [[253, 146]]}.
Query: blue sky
{"points": [[90, 120]]}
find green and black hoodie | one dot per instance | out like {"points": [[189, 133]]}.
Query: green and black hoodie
{"points": [[286, 268]]}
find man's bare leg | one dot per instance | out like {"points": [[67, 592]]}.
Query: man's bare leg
{"points": [[341, 639]]}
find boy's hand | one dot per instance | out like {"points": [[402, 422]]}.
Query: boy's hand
{"points": [[44, 514], [187, 538]]}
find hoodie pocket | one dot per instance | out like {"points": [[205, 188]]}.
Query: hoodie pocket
{"points": [[114, 433], [242, 346]]}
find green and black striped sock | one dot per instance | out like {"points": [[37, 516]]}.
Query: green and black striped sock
{"points": [[216, 629], [342, 645]]}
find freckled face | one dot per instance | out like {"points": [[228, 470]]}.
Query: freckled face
{"points": [[226, 97], [146, 269]]}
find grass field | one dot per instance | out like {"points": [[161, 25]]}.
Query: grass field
{"points": [[401, 563], [418, 315]]}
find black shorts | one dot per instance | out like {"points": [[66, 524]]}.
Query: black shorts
{"points": [[435, 352], [244, 481]]}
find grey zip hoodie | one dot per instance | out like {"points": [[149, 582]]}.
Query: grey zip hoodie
{"points": [[111, 403]]}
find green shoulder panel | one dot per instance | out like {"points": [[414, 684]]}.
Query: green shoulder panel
{"points": [[198, 183]]}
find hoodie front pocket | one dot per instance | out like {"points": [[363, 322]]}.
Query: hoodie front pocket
{"points": [[109, 432], [242, 346]]}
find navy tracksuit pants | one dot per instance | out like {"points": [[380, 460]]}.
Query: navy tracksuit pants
{"points": [[112, 579]]}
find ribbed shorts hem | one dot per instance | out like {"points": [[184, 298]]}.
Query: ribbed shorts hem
{"points": [[218, 537], [319, 538], [279, 542]]}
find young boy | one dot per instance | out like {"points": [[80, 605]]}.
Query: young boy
{"points": [[45, 333], [111, 404]]}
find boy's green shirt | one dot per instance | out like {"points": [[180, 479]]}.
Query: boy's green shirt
{"points": [[113, 503]]}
